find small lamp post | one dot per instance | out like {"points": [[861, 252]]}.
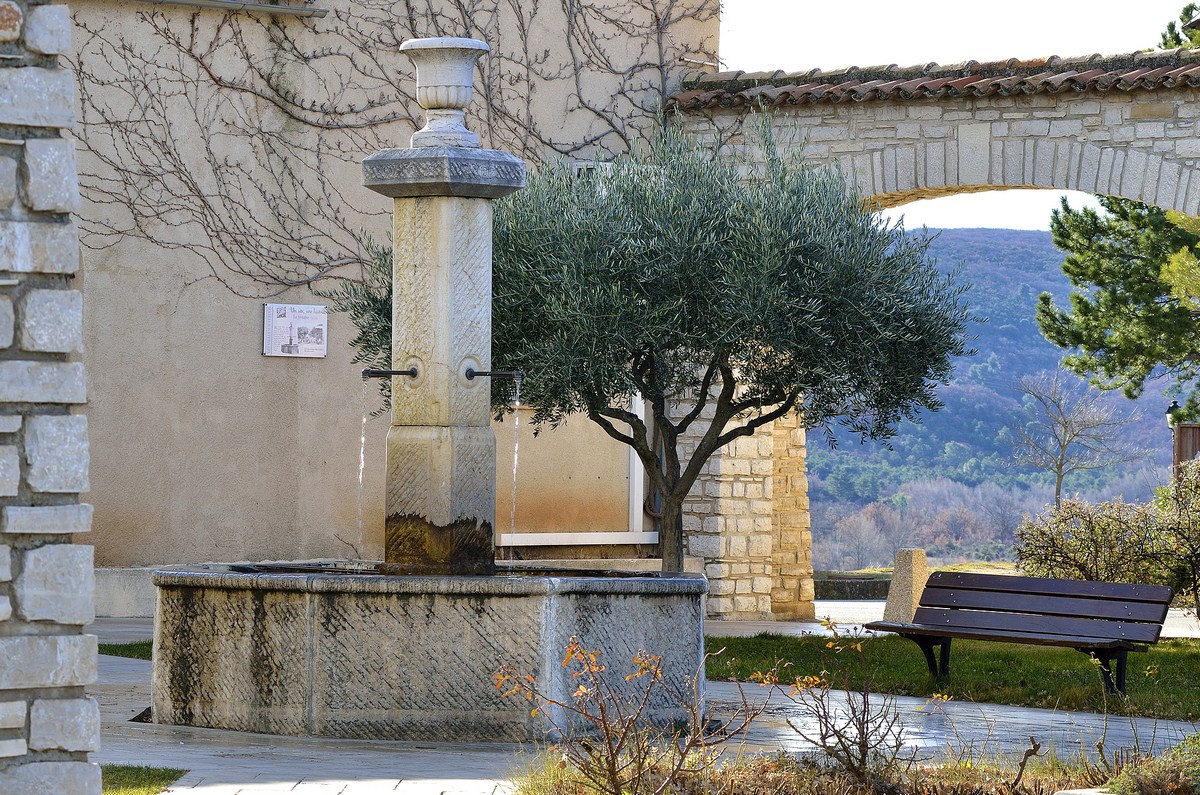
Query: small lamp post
{"points": [[1172, 420]]}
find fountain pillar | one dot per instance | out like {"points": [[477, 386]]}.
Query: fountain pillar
{"points": [[441, 452], [354, 652]]}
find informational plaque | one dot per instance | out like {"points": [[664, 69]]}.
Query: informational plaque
{"points": [[295, 330]]}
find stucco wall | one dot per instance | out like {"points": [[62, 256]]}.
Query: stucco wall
{"points": [[572, 479]]}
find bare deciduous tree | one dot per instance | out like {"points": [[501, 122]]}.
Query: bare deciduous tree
{"points": [[860, 542], [1070, 427]]}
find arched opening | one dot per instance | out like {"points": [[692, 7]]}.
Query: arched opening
{"points": [[959, 484]]}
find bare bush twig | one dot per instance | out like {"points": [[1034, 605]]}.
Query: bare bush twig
{"points": [[606, 729]]}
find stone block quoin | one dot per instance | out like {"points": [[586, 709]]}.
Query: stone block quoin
{"points": [[47, 724]]}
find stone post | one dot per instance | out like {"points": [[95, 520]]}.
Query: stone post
{"points": [[908, 581], [441, 452], [47, 724]]}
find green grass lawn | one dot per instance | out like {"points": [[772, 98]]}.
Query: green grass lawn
{"points": [[139, 649], [997, 673], [130, 780]]}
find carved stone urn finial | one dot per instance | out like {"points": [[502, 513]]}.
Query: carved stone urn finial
{"points": [[445, 75]]}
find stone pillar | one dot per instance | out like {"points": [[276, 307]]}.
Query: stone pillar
{"points": [[727, 523], [47, 724], [441, 452], [908, 581], [792, 595], [747, 518]]}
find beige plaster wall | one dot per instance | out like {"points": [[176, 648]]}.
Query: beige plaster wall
{"points": [[571, 479], [203, 448]]}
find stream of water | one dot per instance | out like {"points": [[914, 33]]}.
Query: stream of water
{"points": [[362, 465], [512, 509]]}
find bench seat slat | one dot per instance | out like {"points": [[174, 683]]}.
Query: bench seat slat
{"points": [[1030, 638], [1040, 604], [1157, 594], [1042, 625]]}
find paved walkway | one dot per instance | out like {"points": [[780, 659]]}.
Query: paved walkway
{"points": [[232, 763]]}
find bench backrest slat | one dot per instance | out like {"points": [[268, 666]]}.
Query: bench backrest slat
{"points": [[1040, 604], [1047, 625], [1156, 594]]}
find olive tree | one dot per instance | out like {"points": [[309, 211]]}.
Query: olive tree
{"points": [[724, 295], [723, 298]]}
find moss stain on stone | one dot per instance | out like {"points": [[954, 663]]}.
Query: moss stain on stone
{"points": [[414, 545]]}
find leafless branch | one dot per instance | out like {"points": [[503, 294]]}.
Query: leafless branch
{"points": [[237, 138]]}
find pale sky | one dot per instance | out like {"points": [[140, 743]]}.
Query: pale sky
{"points": [[803, 34]]}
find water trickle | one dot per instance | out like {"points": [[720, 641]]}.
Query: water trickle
{"points": [[512, 508], [362, 466]]}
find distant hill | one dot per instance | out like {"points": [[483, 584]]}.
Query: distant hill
{"points": [[967, 441]]}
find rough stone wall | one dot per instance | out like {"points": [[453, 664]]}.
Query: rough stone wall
{"points": [[747, 518], [791, 535], [728, 523], [47, 724], [1140, 145]]}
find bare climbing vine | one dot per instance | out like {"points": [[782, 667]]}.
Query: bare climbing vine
{"points": [[237, 138]]}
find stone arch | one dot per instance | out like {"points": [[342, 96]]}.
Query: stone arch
{"points": [[1125, 126], [1107, 169], [1147, 151]]}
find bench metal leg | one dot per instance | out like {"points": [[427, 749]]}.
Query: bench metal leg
{"points": [[1106, 658], [939, 667]]}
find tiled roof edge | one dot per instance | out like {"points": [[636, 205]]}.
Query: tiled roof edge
{"points": [[739, 81]]}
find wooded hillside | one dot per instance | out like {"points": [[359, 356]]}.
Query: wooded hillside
{"points": [[950, 484]]}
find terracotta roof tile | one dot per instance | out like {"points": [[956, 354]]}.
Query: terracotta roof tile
{"points": [[1142, 71]]}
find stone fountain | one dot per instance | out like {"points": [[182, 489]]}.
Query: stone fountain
{"points": [[405, 649]]}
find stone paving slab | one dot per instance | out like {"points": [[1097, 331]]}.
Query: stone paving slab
{"points": [[235, 763], [201, 784], [122, 630]]}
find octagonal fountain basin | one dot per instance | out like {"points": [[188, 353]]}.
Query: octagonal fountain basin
{"points": [[350, 653]]}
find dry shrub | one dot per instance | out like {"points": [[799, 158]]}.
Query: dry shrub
{"points": [[785, 774], [1177, 772], [1118, 541], [857, 729], [608, 736], [1110, 541]]}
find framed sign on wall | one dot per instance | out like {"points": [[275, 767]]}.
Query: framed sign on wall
{"points": [[296, 330]]}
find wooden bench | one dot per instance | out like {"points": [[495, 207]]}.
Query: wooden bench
{"points": [[1101, 619]]}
